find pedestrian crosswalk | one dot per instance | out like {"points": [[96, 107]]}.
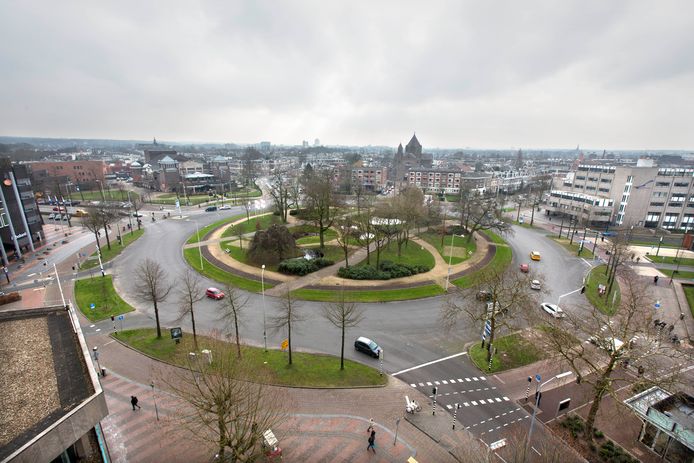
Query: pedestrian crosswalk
{"points": [[489, 401], [446, 382]]}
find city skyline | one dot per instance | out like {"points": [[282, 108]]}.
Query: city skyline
{"points": [[499, 76]]}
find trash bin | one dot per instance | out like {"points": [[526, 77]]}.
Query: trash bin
{"points": [[103, 372]]}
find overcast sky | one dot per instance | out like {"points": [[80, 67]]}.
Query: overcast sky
{"points": [[488, 74]]}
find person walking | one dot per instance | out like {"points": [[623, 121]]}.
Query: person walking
{"points": [[133, 402], [372, 442], [371, 426], [655, 280]]}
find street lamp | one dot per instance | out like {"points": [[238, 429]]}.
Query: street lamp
{"points": [[262, 285], [538, 391], [154, 398], [197, 233], [450, 258]]}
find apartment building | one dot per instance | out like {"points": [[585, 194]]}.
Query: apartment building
{"points": [[370, 178], [643, 195], [434, 181], [86, 174]]}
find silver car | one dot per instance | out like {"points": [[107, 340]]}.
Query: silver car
{"points": [[553, 309]]}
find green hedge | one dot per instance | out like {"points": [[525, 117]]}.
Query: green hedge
{"points": [[386, 271], [301, 266]]}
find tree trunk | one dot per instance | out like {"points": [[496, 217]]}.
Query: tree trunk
{"points": [[238, 343], [192, 322], [492, 332], [532, 215], [156, 317], [108, 242], [346, 251], [342, 348]]}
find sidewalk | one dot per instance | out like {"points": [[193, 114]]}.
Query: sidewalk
{"points": [[325, 425]]}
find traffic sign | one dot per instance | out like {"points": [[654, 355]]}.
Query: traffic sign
{"points": [[92, 306], [121, 317], [285, 344], [657, 304], [538, 378]]}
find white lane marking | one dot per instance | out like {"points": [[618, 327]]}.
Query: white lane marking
{"points": [[413, 385], [429, 363], [466, 404], [437, 383], [498, 399], [428, 383], [444, 381], [475, 378], [473, 402], [98, 329], [448, 406], [421, 384], [482, 378], [460, 380], [586, 262], [482, 401], [467, 379], [501, 380], [31, 274], [506, 398], [452, 381]]}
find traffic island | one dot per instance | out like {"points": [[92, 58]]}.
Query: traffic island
{"points": [[510, 351], [97, 299], [306, 370]]}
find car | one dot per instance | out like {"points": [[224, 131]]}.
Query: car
{"points": [[225, 207], [367, 346], [525, 268], [535, 284], [66, 217], [214, 293], [51, 216], [137, 214], [211, 209], [609, 233], [553, 309], [56, 208], [497, 311], [483, 295], [535, 255], [81, 213]]}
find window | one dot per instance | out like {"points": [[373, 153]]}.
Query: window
{"points": [[627, 188], [606, 180], [590, 188], [593, 179], [657, 204], [677, 199], [682, 184], [604, 190], [653, 217], [630, 179], [580, 177], [665, 184], [662, 194]]}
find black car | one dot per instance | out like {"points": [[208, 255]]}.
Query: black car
{"points": [[367, 346], [211, 209]]}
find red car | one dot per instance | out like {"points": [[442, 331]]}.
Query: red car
{"points": [[214, 293], [525, 268]]}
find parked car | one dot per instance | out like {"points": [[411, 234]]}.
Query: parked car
{"points": [[535, 284], [225, 207], [367, 346], [51, 216], [214, 293], [525, 268], [483, 295], [56, 208], [137, 214], [553, 309], [211, 209], [534, 255], [609, 343]]}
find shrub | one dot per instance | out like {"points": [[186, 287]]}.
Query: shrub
{"points": [[294, 211], [612, 453], [301, 266], [598, 434], [574, 424], [10, 297], [323, 262], [364, 272]]}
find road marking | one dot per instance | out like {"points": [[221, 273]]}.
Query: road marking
{"points": [[428, 383], [474, 378], [421, 384], [473, 402], [466, 404], [98, 329], [444, 381], [429, 363], [501, 380], [31, 274], [448, 406], [506, 398], [413, 385], [460, 380], [498, 399], [586, 262], [482, 378], [482, 401], [437, 383], [452, 381], [467, 379]]}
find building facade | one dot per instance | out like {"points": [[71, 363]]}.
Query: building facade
{"points": [[643, 195], [370, 178], [52, 176]]}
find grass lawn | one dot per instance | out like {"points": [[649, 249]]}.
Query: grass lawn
{"points": [[689, 292], [249, 226], [602, 303], [502, 259], [110, 195], [328, 235], [680, 274], [307, 370], [116, 249], [192, 256], [512, 351], [461, 248], [209, 228], [100, 292], [671, 260], [494, 237], [376, 295], [412, 254], [653, 244]]}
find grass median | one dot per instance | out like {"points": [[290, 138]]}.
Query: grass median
{"points": [[375, 295], [512, 351], [689, 293], [100, 292], [307, 370], [606, 303], [192, 256], [502, 259], [116, 249], [575, 246], [213, 226]]}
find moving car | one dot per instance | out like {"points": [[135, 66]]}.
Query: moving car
{"points": [[553, 309], [535, 284], [211, 209], [610, 344], [137, 214], [525, 268], [225, 207], [51, 216], [367, 346], [80, 213], [214, 293], [535, 255]]}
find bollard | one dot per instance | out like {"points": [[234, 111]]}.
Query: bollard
{"points": [[455, 412], [527, 390], [433, 391]]}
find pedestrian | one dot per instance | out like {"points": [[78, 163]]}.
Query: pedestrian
{"points": [[133, 402], [371, 426], [638, 259], [372, 442], [655, 280]]}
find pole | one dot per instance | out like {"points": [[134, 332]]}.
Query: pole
{"points": [[455, 412], [491, 356], [197, 232], [397, 425], [154, 399], [433, 411], [450, 258], [262, 285], [561, 227], [527, 390], [657, 251], [380, 357], [130, 214], [595, 245], [101, 264]]}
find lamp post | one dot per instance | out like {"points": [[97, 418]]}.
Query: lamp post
{"points": [[197, 232], [660, 241], [101, 189], [262, 285], [154, 399], [538, 391]]}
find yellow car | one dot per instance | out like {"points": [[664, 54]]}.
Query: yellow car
{"points": [[535, 255]]}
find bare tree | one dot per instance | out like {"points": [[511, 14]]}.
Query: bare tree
{"points": [[92, 222], [231, 314], [281, 193], [343, 315], [408, 208], [288, 316], [478, 212], [152, 286], [365, 233], [224, 411], [628, 338], [190, 292], [346, 233], [322, 205], [505, 295], [247, 206], [249, 169]]}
